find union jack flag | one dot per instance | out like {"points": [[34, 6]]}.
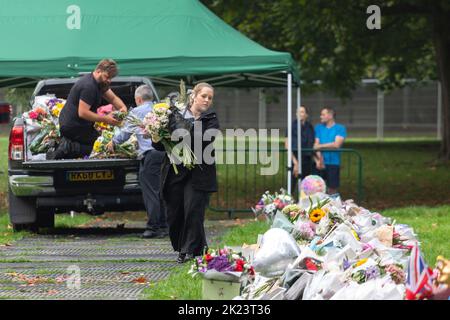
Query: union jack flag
{"points": [[419, 282]]}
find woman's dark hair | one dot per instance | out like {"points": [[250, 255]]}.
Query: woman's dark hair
{"points": [[306, 109]]}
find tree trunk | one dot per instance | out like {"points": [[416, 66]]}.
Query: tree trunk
{"points": [[442, 46]]}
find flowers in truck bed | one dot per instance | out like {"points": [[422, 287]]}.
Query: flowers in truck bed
{"points": [[42, 128], [101, 126], [127, 150], [55, 106]]}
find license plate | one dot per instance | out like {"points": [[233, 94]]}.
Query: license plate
{"points": [[99, 175]]}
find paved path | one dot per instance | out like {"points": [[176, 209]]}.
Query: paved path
{"points": [[113, 263]]}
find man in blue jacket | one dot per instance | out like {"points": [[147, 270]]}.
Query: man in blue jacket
{"points": [[330, 135], [150, 165]]}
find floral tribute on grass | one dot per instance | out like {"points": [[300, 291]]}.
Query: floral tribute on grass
{"points": [[323, 248]]}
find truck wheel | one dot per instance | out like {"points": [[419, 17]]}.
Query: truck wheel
{"points": [[22, 212], [24, 215]]}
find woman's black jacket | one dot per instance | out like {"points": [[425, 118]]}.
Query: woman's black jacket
{"points": [[204, 176]]}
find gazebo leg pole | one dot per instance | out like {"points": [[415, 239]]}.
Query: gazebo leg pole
{"points": [[299, 142], [289, 129]]}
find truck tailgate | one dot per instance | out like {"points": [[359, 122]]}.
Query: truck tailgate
{"points": [[80, 164]]}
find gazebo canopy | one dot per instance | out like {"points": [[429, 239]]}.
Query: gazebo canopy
{"points": [[162, 39]]}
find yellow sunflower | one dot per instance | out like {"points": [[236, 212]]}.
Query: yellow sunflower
{"points": [[316, 215], [97, 146], [55, 112]]}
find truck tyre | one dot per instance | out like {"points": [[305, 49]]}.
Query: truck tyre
{"points": [[24, 215], [22, 212]]}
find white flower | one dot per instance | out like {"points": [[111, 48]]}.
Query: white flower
{"points": [[270, 208]]}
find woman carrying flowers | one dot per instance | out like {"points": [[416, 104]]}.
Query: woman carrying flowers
{"points": [[186, 190]]}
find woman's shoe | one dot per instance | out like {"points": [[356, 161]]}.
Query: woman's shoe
{"points": [[181, 257], [184, 257], [189, 257]]}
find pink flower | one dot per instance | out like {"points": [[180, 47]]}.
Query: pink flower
{"points": [[104, 110], [33, 115], [306, 231]]}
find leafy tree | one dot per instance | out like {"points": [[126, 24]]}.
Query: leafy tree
{"points": [[19, 98], [331, 41]]}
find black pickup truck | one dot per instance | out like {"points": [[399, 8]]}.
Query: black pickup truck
{"points": [[40, 189]]}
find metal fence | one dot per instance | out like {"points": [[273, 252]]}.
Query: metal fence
{"points": [[414, 110], [240, 186]]}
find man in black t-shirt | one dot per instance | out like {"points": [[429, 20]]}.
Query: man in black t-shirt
{"points": [[78, 116]]}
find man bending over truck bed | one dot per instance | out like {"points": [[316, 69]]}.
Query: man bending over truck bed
{"points": [[78, 116]]}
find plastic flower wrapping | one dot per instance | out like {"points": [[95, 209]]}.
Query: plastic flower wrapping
{"points": [[127, 150], [222, 264], [323, 248], [270, 204], [42, 123]]}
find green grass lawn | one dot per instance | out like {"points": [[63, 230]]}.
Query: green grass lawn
{"points": [[7, 235], [3, 171], [431, 224]]}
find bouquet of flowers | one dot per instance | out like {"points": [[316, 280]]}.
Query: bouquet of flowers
{"points": [[41, 121], [101, 126], [37, 115], [156, 125], [367, 269], [46, 139], [270, 204], [55, 106], [221, 264], [128, 149], [100, 150], [118, 115]]}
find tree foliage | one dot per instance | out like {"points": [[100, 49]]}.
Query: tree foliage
{"points": [[331, 42]]}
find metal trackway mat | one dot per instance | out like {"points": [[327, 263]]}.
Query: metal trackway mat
{"points": [[88, 266]]}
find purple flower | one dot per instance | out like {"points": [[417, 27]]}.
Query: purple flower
{"points": [[220, 264], [372, 272], [52, 102], [346, 264]]}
